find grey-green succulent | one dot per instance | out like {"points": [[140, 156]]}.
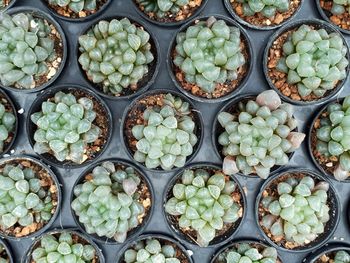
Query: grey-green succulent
{"points": [[65, 126], [340, 7], [340, 256], [76, 5], [7, 125], [110, 203], [209, 53], [116, 55], [314, 60], [27, 49], [162, 8], [152, 250], [258, 135], [168, 136], [333, 136], [23, 199], [204, 201], [247, 253], [4, 257], [268, 8], [297, 212], [63, 247]]}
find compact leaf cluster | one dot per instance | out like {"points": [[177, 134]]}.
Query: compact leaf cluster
{"points": [[245, 252], [75, 5], [333, 137], [340, 7], [339, 257], [109, 204], [268, 8], [3, 255], [63, 247], [168, 136], [23, 199], [65, 127], [26, 50], [7, 125], [162, 8], [151, 250], [314, 60], [259, 135], [116, 55], [298, 212], [203, 201], [209, 53]]}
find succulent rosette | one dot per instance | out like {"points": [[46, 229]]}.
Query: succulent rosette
{"points": [[7, 124], [75, 5], [268, 8]]}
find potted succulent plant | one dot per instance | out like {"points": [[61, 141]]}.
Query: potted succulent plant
{"points": [[297, 210], [263, 14], [162, 130], [69, 125], [119, 57], [203, 205], [30, 197], [64, 246], [5, 253], [332, 252], [112, 201], [8, 123], [209, 58], [34, 49], [306, 61], [255, 135], [329, 139]]}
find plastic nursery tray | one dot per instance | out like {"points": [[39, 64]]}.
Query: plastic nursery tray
{"points": [[256, 83]]}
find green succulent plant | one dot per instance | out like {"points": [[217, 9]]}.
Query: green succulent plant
{"points": [[298, 212], [333, 137], [268, 8], [110, 204], [246, 252], [151, 250], [340, 7], [340, 256], [209, 53], [76, 5], [116, 55], [23, 199], [65, 127], [4, 258], [7, 125], [26, 50], [204, 202], [168, 136], [63, 247], [314, 60], [258, 135], [162, 8]]}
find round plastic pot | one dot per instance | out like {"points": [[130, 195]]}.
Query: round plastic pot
{"points": [[159, 237], [249, 61], [133, 232], [8, 146], [19, 158], [35, 12], [78, 19], [169, 24], [328, 248], [311, 135], [36, 107], [199, 131], [331, 225], [172, 224], [27, 256], [247, 24], [289, 27], [218, 129], [147, 81], [254, 242], [8, 250]]}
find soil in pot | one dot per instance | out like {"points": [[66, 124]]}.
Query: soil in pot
{"points": [[4, 4], [8, 123], [340, 256], [337, 14], [29, 198], [120, 192]]}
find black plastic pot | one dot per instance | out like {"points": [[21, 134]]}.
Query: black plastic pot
{"points": [[169, 24], [293, 25], [249, 62], [8, 250], [41, 14], [310, 138], [18, 158], [27, 256], [333, 201], [132, 233], [218, 240], [247, 24], [327, 249], [147, 81], [162, 239], [36, 107], [199, 131]]}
